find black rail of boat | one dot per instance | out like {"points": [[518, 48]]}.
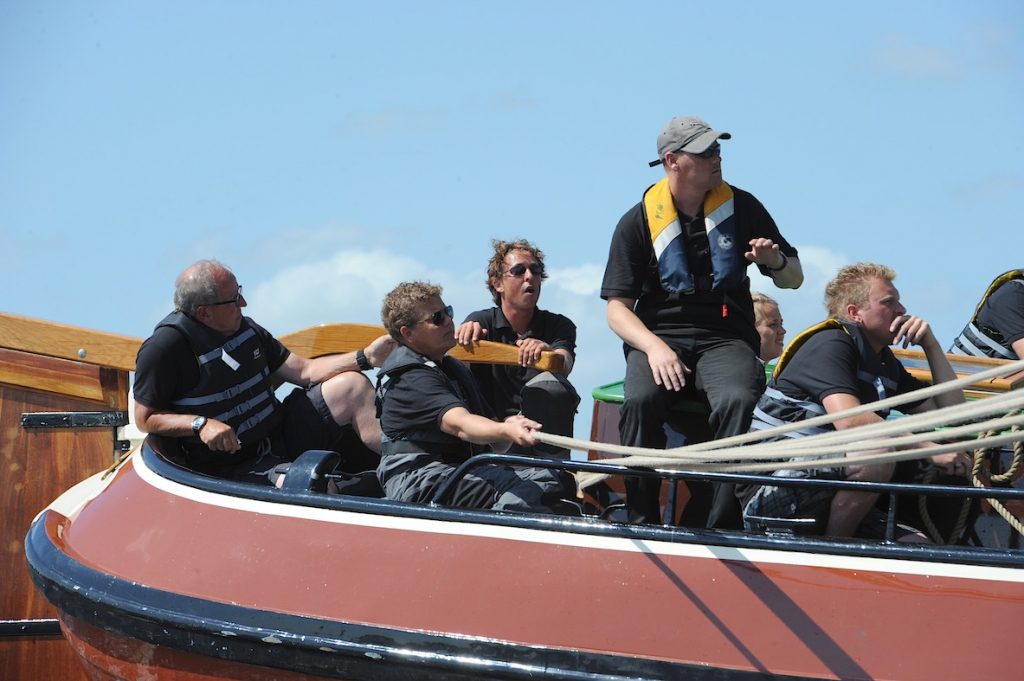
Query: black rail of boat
{"points": [[29, 628], [591, 525]]}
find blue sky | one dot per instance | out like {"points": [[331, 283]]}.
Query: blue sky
{"points": [[328, 150]]}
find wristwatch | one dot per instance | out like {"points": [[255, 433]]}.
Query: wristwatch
{"points": [[785, 261], [361, 361], [197, 424]]}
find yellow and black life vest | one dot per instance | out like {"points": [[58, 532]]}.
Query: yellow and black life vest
{"points": [[727, 263], [775, 408]]}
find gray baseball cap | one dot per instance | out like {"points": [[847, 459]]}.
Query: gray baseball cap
{"points": [[686, 133]]}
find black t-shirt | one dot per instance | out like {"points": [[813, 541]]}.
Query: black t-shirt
{"points": [[417, 399], [1002, 315], [632, 272], [501, 385], [166, 368], [828, 363]]}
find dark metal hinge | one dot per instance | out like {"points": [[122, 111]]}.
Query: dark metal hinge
{"points": [[74, 419]]}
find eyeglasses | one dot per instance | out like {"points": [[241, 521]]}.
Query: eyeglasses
{"points": [[437, 319], [233, 301], [712, 151], [519, 269]]}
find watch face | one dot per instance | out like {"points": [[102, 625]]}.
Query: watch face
{"points": [[198, 423]]}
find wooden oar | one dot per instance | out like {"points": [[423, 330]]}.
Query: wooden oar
{"points": [[326, 339], [118, 352]]}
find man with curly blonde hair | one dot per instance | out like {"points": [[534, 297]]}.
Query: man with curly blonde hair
{"points": [[515, 273]]}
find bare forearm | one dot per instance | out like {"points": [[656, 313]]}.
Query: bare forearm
{"points": [[471, 427], [942, 372], [163, 422], [320, 369], [790, 276]]}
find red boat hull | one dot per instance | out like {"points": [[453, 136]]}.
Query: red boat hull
{"points": [[604, 594]]}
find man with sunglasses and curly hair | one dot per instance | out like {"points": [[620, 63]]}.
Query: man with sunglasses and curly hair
{"points": [[433, 417], [679, 297], [207, 375], [515, 274]]}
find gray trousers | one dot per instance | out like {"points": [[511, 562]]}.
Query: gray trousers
{"points": [[415, 478], [728, 375]]}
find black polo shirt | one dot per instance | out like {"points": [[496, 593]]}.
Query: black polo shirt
{"points": [[828, 363], [501, 385], [632, 272]]}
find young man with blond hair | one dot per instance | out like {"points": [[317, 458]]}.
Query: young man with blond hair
{"points": [[834, 366]]}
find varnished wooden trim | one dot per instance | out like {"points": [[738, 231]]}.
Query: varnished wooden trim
{"points": [[327, 339], [64, 377], [118, 352], [68, 342], [917, 366]]}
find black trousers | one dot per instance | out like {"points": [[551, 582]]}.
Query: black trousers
{"points": [[729, 377]]}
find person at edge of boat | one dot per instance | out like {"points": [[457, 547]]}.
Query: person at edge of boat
{"points": [[207, 376], [515, 274], [678, 296], [768, 321], [996, 329], [839, 364], [432, 416]]}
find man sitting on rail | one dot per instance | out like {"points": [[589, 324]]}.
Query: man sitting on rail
{"points": [[837, 365], [997, 327], [514, 276], [207, 376], [432, 415], [679, 297]]}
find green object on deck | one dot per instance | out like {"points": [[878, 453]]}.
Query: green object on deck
{"points": [[613, 392], [609, 392]]}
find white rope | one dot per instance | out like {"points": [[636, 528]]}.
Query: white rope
{"points": [[948, 415], [871, 436], [806, 463]]}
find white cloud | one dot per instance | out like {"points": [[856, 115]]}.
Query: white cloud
{"points": [[583, 280], [345, 286], [899, 55]]}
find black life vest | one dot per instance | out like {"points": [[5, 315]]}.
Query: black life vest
{"points": [[432, 441], [234, 381], [978, 342]]}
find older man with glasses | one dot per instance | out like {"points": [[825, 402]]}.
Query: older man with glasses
{"points": [[207, 375], [679, 297], [515, 274], [434, 418]]}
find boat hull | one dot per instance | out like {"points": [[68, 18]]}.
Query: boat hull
{"points": [[350, 589]]}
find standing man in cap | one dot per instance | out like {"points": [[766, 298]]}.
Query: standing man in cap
{"points": [[679, 297]]}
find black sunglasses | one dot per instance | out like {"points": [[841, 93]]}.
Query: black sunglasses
{"points": [[437, 319], [712, 151], [233, 301], [519, 269]]}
